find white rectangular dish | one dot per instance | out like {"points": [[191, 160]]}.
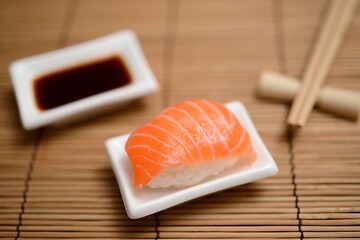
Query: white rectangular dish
{"points": [[142, 202], [124, 44]]}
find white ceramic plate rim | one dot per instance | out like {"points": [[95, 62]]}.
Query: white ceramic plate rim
{"points": [[265, 166], [124, 43]]}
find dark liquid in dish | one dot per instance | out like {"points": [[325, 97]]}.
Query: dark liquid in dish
{"points": [[78, 82]]}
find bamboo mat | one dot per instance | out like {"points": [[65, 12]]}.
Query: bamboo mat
{"points": [[58, 183]]}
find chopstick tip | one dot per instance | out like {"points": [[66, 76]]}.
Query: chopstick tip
{"points": [[294, 124]]}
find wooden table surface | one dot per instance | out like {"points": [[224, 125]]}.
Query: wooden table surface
{"points": [[58, 183]]}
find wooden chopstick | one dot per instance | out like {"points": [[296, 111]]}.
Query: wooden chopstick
{"points": [[327, 45]]}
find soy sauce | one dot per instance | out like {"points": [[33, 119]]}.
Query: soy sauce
{"points": [[78, 82]]}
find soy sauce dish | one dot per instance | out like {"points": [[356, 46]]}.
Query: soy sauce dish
{"points": [[81, 80]]}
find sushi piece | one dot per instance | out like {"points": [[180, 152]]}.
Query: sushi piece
{"points": [[186, 144]]}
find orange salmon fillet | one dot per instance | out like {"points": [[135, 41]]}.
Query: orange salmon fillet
{"points": [[189, 133]]}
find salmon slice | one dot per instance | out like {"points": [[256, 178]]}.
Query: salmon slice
{"points": [[188, 133]]}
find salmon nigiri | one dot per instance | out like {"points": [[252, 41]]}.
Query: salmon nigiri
{"points": [[187, 143]]}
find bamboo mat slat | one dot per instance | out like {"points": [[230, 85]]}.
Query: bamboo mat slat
{"points": [[58, 183]]}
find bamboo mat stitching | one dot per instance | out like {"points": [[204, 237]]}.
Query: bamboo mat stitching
{"points": [[170, 38], [290, 138], [170, 35], [278, 22], [280, 52], [70, 12], [34, 153]]}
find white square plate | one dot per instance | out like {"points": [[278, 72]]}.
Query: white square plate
{"points": [[142, 202], [125, 44]]}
